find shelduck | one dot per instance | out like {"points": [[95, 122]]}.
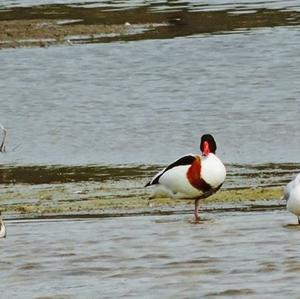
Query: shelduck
{"points": [[192, 176]]}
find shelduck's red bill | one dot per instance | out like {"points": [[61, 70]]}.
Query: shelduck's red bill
{"points": [[206, 149]]}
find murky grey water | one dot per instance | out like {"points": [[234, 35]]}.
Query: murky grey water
{"points": [[240, 255], [149, 101]]}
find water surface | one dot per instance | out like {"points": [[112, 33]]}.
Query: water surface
{"points": [[98, 118], [229, 255], [150, 101]]}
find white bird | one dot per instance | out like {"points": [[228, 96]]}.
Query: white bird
{"points": [[192, 176], [291, 193], [287, 189], [2, 229], [2, 146]]}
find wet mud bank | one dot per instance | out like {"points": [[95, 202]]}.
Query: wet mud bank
{"points": [[158, 210], [47, 25], [114, 191]]}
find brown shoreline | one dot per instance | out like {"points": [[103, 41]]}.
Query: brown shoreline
{"points": [[62, 24], [43, 33]]}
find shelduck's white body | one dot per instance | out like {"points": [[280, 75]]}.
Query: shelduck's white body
{"points": [[183, 181], [192, 176]]}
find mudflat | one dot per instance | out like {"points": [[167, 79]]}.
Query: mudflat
{"points": [[54, 24]]}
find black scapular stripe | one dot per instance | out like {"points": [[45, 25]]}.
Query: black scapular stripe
{"points": [[186, 160]]}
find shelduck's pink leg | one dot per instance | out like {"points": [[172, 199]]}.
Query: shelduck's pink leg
{"points": [[197, 217]]}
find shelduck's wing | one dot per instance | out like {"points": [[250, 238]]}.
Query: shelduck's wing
{"points": [[186, 160]]}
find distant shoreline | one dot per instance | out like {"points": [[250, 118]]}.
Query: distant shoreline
{"points": [[43, 33], [59, 24]]}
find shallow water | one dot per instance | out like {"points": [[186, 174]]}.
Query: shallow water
{"points": [[144, 103], [242, 255], [149, 101]]}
